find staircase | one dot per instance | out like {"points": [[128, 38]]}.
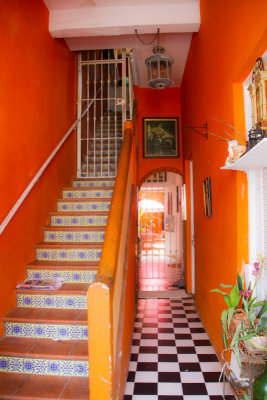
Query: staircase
{"points": [[44, 353]]}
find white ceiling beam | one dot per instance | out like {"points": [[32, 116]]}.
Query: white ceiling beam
{"points": [[105, 21]]}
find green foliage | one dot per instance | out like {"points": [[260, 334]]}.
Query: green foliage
{"points": [[239, 300]]}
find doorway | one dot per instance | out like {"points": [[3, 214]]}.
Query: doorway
{"points": [[160, 233]]}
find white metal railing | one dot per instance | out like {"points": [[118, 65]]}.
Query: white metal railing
{"points": [[102, 83], [40, 172]]}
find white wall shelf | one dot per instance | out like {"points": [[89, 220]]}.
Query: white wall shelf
{"points": [[255, 158]]}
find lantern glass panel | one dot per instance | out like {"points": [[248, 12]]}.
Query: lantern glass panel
{"points": [[163, 69], [154, 69]]}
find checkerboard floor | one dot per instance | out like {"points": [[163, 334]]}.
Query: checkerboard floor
{"points": [[172, 357]]}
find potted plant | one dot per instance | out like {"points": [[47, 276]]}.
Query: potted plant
{"points": [[243, 320]]}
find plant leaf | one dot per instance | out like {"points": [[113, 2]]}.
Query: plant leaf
{"points": [[217, 291], [239, 282], [230, 315], [234, 297], [227, 300], [258, 304], [248, 336], [224, 319], [262, 311], [225, 286]]}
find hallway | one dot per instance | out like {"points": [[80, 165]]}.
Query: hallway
{"points": [[172, 357]]}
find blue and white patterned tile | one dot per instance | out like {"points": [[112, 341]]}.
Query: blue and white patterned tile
{"points": [[77, 302], [74, 236], [69, 276], [79, 220], [90, 183], [44, 366], [87, 194], [46, 331], [87, 206], [68, 254], [97, 174]]}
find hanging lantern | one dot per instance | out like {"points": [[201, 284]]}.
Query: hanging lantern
{"points": [[159, 69]]}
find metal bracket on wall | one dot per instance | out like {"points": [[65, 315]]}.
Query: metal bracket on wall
{"points": [[195, 129]]}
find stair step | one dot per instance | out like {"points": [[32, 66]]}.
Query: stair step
{"points": [[79, 219], [68, 251], [44, 356], [83, 205], [27, 386], [93, 182], [87, 193], [69, 296], [80, 235], [70, 272], [47, 324], [91, 173]]}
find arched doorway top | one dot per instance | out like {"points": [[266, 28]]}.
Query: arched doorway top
{"points": [[162, 169]]}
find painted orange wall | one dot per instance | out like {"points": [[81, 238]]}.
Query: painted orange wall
{"points": [[156, 103], [232, 35], [37, 97]]}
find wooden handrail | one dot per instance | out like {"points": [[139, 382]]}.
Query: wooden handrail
{"points": [[105, 293], [112, 236]]}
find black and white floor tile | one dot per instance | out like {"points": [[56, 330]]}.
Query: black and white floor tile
{"points": [[172, 357]]}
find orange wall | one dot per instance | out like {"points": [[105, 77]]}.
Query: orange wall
{"points": [[156, 103], [221, 56], [37, 97]]}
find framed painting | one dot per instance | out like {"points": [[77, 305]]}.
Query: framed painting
{"points": [[207, 197], [160, 138]]}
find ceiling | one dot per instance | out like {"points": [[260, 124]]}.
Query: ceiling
{"points": [[110, 24]]}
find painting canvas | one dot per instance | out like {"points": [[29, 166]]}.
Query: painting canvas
{"points": [[160, 138], [207, 197]]}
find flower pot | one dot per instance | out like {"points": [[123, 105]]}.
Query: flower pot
{"points": [[237, 318]]}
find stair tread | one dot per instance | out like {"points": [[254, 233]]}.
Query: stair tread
{"points": [[62, 245], [27, 387], [44, 348], [44, 316], [64, 264], [66, 289]]}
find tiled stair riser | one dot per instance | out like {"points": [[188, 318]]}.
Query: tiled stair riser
{"points": [[103, 174], [79, 220], [68, 254], [87, 194], [44, 366], [89, 206], [49, 301], [46, 331], [74, 236], [68, 276], [90, 183]]}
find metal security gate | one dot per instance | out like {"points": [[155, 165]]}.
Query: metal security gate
{"points": [[160, 231], [103, 101]]}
